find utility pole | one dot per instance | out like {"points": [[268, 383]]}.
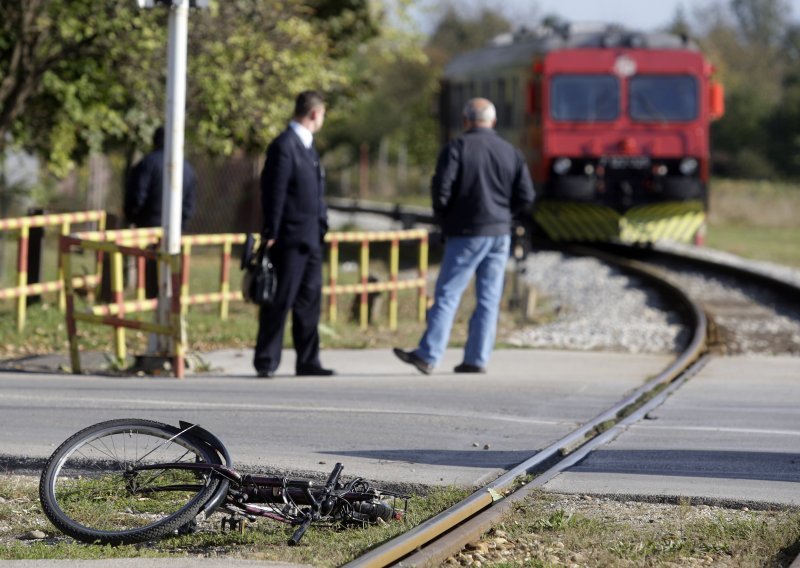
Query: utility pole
{"points": [[172, 194], [160, 347]]}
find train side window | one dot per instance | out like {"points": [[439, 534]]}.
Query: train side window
{"points": [[501, 104], [664, 98], [514, 102], [585, 98], [456, 105]]}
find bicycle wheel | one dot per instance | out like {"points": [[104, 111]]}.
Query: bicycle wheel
{"points": [[91, 490]]}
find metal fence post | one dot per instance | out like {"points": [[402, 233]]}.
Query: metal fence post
{"points": [[363, 308], [22, 275], [394, 270], [423, 275], [225, 278], [334, 276]]}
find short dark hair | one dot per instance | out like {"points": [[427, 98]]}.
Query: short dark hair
{"points": [[306, 102], [158, 138]]}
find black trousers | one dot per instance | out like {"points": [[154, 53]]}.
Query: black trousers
{"points": [[299, 272]]}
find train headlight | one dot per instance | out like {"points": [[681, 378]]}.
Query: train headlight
{"points": [[688, 166], [588, 169], [562, 166]]}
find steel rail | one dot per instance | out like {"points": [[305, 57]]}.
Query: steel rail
{"points": [[731, 269], [420, 536], [474, 528]]}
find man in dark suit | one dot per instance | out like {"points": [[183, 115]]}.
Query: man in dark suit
{"points": [[295, 222], [143, 199]]}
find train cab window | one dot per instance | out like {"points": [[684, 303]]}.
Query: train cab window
{"points": [[585, 98], [662, 98]]}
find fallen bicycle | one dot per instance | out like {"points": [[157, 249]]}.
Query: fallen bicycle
{"points": [[129, 480]]}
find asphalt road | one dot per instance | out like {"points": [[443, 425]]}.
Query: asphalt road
{"points": [[379, 417], [730, 434]]}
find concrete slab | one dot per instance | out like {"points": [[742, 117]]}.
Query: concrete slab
{"points": [[381, 418], [731, 434]]}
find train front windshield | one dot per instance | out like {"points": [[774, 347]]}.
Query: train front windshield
{"points": [[663, 98], [652, 98], [585, 98]]}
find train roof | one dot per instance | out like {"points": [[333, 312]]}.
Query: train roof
{"points": [[512, 50]]}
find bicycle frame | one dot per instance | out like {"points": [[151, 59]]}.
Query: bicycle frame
{"points": [[132, 480], [244, 494]]}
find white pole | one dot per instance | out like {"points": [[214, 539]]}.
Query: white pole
{"points": [[172, 195]]}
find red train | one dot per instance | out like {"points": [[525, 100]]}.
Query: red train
{"points": [[614, 125]]}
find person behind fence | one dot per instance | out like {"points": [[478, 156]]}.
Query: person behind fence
{"points": [[143, 198], [481, 182], [295, 223]]}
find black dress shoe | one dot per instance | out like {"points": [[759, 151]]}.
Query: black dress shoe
{"points": [[265, 374], [313, 371], [413, 359], [467, 368]]}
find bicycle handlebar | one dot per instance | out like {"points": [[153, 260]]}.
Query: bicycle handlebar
{"points": [[334, 476]]}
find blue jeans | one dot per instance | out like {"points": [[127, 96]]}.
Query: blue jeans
{"points": [[486, 257]]}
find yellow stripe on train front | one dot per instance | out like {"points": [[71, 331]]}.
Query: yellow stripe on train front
{"points": [[675, 221], [577, 221]]}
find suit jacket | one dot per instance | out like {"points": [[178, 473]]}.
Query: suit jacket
{"points": [[144, 189], [292, 193]]}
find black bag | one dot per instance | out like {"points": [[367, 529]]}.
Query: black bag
{"points": [[259, 280]]}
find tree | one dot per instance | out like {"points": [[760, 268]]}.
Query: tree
{"points": [[456, 33], [59, 60], [741, 41], [88, 75]]}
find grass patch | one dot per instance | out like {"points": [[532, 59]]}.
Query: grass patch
{"points": [[45, 330], [20, 513], [557, 530], [756, 220]]}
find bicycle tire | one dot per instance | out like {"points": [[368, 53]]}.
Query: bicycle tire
{"points": [[88, 491]]}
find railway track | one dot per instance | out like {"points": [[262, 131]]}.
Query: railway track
{"points": [[750, 313], [736, 314]]}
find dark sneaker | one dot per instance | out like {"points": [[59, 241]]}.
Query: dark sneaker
{"points": [[467, 368], [413, 359], [265, 374], [313, 371]]}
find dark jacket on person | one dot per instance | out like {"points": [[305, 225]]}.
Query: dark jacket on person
{"points": [[481, 183], [144, 190], [293, 193]]}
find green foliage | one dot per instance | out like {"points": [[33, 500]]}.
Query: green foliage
{"points": [[754, 47], [457, 33], [61, 94], [89, 75]]}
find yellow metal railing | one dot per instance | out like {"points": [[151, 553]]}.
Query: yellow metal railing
{"points": [[364, 287], [140, 245], [22, 290]]}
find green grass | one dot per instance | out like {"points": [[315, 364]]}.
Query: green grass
{"points": [[772, 244], [758, 220], [264, 540], [45, 330], [553, 530]]}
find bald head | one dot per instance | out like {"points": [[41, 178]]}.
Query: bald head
{"points": [[479, 112]]}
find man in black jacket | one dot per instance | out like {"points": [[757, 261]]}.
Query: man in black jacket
{"points": [[295, 222], [143, 198], [481, 182]]}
